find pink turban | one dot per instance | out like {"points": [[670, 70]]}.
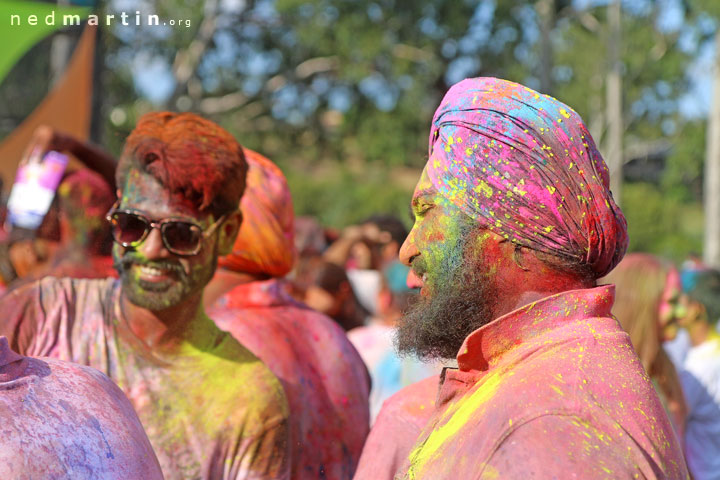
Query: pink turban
{"points": [[265, 242], [524, 166]]}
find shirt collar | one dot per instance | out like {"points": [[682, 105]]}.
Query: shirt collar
{"points": [[487, 344]]}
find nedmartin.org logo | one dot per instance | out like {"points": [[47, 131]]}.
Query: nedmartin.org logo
{"points": [[121, 18]]}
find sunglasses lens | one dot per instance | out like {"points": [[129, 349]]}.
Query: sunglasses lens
{"points": [[181, 237], [127, 227]]}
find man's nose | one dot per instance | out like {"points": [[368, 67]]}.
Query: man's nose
{"points": [[408, 251], [153, 247]]}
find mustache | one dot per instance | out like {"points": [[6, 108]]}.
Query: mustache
{"points": [[130, 259], [419, 266]]}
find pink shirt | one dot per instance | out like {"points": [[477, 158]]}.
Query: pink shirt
{"points": [[398, 426], [61, 420], [324, 377], [553, 389], [215, 413]]}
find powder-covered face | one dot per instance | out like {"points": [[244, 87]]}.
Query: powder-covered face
{"points": [[452, 260], [152, 277], [671, 309]]}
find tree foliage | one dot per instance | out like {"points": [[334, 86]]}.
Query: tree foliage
{"points": [[340, 93]]}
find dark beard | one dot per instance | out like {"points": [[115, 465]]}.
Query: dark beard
{"points": [[460, 300], [158, 297]]}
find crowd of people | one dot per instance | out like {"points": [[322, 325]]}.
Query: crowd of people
{"points": [[173, 318]]}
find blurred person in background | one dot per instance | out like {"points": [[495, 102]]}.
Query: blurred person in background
{"points": [[700, 372], [309, 237], [211, 409], [364, 250], [84, 249], [389, 371], [325, 287], [74, 237], [647, 305], [322, 374]]}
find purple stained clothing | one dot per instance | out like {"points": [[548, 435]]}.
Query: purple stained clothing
{"points": [[553, 389], [60, 420], [210, 413], [398, 426], [324, 377], [524, 166]]}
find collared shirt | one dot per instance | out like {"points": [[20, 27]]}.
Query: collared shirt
{"points": [[216, 413], [324, 377], [389, 371], [62, 420], [396, 429], [551, 390]]}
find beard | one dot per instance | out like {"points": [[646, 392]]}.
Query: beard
{"points": [[460, 299], [158, 296]]}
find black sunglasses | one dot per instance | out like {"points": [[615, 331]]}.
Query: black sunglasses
{"points": [[130, 229]]}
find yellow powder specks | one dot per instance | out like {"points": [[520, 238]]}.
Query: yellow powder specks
{"points": [[468, 151], [564, 113], [549, 228], [484, 188], [490, 473], [551, 189]]}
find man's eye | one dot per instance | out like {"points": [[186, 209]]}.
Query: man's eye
{"points": [[423, 209]]}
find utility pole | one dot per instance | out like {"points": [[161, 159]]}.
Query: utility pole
{"points": [[614, 100], [546, 14], [711, 190], [59, 51]]}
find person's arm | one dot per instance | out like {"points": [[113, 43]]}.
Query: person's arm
{"points": [[339, 252], [92, 156]]}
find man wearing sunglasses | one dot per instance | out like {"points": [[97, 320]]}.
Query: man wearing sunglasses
{"points": [[210, 407]]}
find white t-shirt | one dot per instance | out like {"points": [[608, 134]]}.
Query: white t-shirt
{"points": [[700, 379]]}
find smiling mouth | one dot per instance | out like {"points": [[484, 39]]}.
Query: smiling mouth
{"points": [[148, 273]]}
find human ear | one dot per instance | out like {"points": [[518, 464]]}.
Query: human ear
{"points": [[229, 232]]}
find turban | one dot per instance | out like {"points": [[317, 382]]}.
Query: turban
{"points": [[524, 166], [265, 242]]}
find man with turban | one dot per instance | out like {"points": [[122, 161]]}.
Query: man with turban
{"points": [[514, 223], [211, 409], [324, 377]]}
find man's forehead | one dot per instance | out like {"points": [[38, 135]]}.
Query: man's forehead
{"points": [[144, 192]]}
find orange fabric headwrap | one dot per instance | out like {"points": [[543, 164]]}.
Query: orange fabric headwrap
{"points": [[265, 243]]}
